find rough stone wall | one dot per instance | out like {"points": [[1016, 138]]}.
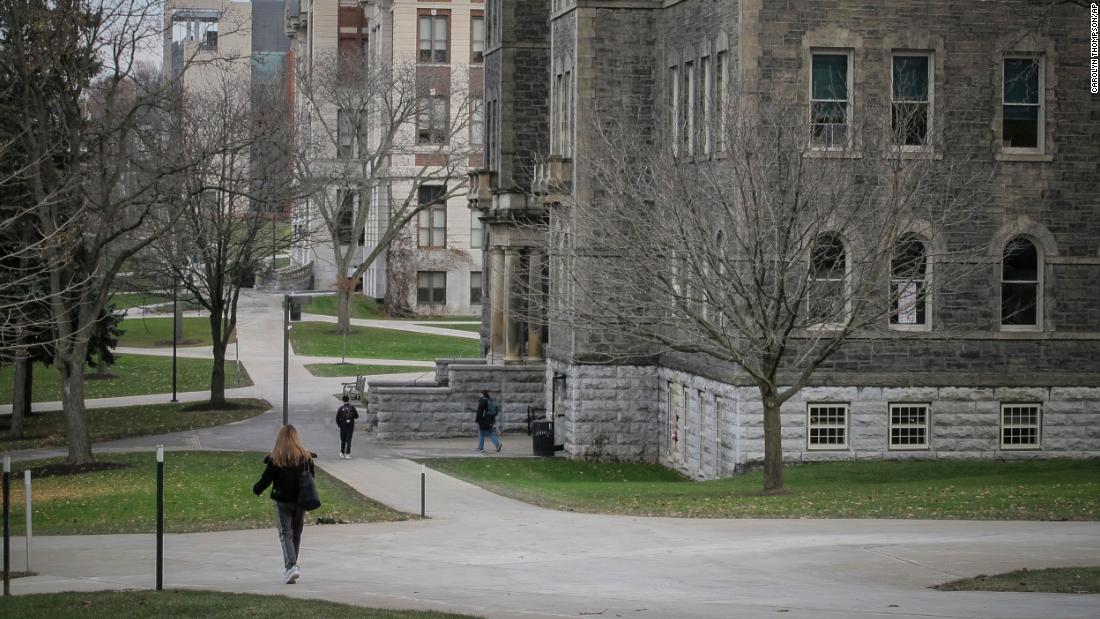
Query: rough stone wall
{"points": [[716, 429], [607, 412], [446, 408]]}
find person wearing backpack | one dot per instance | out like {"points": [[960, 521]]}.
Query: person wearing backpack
{"points": [[345, 420], [288, 461], [486, 419]]}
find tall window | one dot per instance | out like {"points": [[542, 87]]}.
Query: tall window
{"points": [[477, 39], [828, 265], [689, 109], [1020, 284], [477, 238], [1021, 426], [830, 112], [721, 84], [674, 107], [908, 275], [912, 95], [431, 287], [433, 33], [908, 426], [431, 223], [1022, 109], [827, 426], [351, 134], [708, 98], [565, 112], [477, 121], [431, 121], [490, 132], [475, 287], [345, 217]]}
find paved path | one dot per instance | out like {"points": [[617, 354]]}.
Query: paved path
{"points": [[486, 555]]}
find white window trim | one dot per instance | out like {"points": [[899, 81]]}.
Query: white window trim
{"points": [[845, 282], [846, 426], [848, 135], [927, 325], [708, 102], [927, 147], [1038, 427], [689, 115], [1040, 267], [1040, 143], [674, 87], [927, 427]]}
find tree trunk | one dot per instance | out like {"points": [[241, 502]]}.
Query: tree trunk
{"points": [[343, 296], [70, 366], [773, 443], [217, 372], [22, 383]]}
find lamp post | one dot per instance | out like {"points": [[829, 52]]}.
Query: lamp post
{"points": [[175, 331]]}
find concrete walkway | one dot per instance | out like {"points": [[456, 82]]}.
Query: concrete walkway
{"points": [[490, 556]]}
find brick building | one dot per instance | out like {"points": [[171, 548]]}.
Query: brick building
{"points": [[1013, 372]]}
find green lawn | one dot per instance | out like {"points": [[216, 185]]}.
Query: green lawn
{"points": [[354, 369], [1053, 580], [132, 375], [48, 429], [127, 300], [207, 604], [1026, 490], [474, 328], [203, 491], [322, 339], [157, 332], [361, 307]]}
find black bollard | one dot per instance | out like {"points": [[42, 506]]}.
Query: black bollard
{"points": [[423, 475], [160, 517], [7, 528]]}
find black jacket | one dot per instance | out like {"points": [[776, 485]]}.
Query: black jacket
{"points": [[283, 481], [348, 420], [484, 421]]}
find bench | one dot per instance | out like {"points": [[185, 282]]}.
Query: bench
{"points": [[355, 390]]}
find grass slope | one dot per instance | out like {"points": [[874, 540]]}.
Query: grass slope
{"points": [[203, 491], [48, 429], [321, 339], [130, 375], [1053, 580], [207, 604], [1026, 490], [351, 370], [157, 332], [473, 328]]}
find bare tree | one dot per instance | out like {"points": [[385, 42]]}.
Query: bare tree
{"points": [[372, 136], [767, 258], [224, 202]]}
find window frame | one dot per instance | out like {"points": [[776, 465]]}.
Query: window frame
{"points": [[476, 225], [845, 427], [431, 287], [480, 288], [721, 76], [426, 218], [848, 102], [929, 102], [674, 105], [477, 121], [926, 427], [843, 283], [475, 17], [1037, 426], [705, 63], [689, 108], [433, 17], [431, 134], [1037, 283], [925, 285], [1040, 139]]}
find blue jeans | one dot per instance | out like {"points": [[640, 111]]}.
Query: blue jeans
{"points": [[491, 433]]}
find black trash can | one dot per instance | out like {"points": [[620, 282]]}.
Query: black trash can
{"points": [[542, 437], [295, 312]]}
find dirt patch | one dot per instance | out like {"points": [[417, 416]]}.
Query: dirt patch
{"points": [[60, 469]]}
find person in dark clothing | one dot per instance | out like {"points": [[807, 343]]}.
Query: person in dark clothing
{"points": [[486, 419], [288, 459], [345, 420]]}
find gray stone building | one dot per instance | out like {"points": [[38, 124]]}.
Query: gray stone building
{"points": [[1013, 372]]}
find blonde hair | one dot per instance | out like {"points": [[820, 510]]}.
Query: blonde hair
{"points": [[288, 450]]}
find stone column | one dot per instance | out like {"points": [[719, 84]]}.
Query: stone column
{"points": [[497, 289], [513, 309], [536, 310]]}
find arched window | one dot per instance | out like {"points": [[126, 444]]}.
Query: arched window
{"points": [[1020, 289], [908, 283], [828, 265]]}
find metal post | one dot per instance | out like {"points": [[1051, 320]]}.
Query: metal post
{"points": [[7, 528], [27, 505], [160, 517], [175, 329], [423, 474], [286, 358]]}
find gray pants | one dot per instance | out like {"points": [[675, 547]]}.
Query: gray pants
{"points": [[289, 519]]}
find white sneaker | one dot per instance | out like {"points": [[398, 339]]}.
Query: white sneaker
{"points": [[292, 575], [347, 456], [341, 456]]}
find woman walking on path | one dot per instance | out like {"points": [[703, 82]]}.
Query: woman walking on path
{"points": [[287, 461]]}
